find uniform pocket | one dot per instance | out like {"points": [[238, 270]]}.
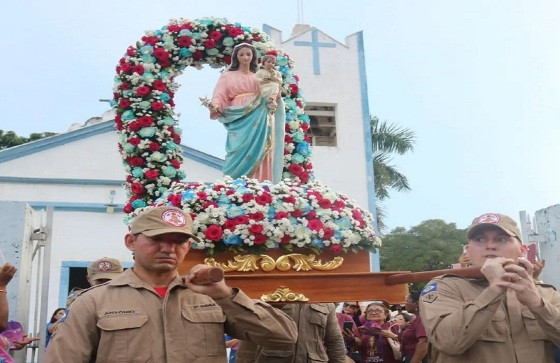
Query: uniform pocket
{"points": [[275, 355], [318, 315], [314, 357], [121, 338], [498, 329], [204, 329], [532, 325]]}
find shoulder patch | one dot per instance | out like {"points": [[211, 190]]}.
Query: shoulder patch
{"points": [[429, 288], [429, 293]]}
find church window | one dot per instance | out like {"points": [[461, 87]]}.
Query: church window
{"points": [[323, 123]]}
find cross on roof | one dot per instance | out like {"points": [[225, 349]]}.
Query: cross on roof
{"points": [[315, 44]]}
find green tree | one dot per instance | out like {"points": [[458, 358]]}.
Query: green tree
{"points": [[431, 245], [388, 139], [9, 138]]}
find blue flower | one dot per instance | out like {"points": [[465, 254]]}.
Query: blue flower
{"points": [[168, 121], [337, 234], [127, 115], [239, 182], [234, 211], [232, 240], [146, 49], [137, 172], [228, 41], [223, 200], [318, 243], [303, 149], [343, 223], [147, 131], [169, 171], [164, 97], [185, 53], [112, 103], [188, 195], [304, 118], [271, 213], [293, 221], [138, 203], [158, 32]]}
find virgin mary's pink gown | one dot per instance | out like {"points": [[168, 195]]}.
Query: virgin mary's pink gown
{"points": [[234, 88]]}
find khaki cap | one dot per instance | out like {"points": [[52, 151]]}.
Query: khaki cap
{"points": [[501, 221], [160, 220], [104, 268]]}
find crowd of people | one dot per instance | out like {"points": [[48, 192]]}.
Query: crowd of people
{"points": [[149, 312]]}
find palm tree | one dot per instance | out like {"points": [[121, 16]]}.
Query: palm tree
{"points": [[387, 140]]}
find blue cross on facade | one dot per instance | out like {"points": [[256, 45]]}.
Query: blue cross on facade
{"points": [[315, 44]]}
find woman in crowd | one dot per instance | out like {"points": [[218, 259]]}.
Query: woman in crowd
{"points": [[353, 309], [414, 342], [55, 320]]}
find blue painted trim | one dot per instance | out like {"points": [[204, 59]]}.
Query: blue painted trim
{"points": [[76, 207], [203, 158], [374, 257], [315, 44], [65, 277], [65, 181], [267, 29], [54, 141]]}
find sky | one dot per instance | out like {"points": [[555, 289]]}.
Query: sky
{"points": [[478, 82]]}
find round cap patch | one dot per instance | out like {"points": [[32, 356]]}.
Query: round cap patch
{"points": [[174, 218], [104, 266], [489, 218]]}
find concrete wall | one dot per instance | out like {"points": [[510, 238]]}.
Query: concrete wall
{"points": [[547, 223]]}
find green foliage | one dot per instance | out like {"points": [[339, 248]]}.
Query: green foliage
{"points": [[431, 245], [9, 138], [388, 140]]}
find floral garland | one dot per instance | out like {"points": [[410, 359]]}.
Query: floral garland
{"points": [[245, 215], [241, 215], [143, 96]]}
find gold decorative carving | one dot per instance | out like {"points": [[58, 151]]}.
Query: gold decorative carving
{"points": [[283, 294], [246, 263]]}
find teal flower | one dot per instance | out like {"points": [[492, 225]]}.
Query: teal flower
{"points": [[162, 190], [195, 36], [318, 243], [188, 195], [138, 203], [232, 240], [128, 93], [146, 58], [298, 136], [228, 41], [148, 77], [297, 158], [212, 51], [178, 130], [168, 121], [164, 97], [145, 105], [138, 173], [303, 149], [128, 148], [185, 53], [281, 60], [164, 74], [304, 118], [170, 145], [185, 32], [343, 223], [207, 22], [168, 45], [169, 171], [127, 115], [181, 175], [234, 211], [157, 157], [146, 50], [147, 131]]}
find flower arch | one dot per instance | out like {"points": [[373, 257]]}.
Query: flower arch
{"points": [[241, 214]]}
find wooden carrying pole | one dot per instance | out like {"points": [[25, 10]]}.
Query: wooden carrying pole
{"points": [[425, 276]]}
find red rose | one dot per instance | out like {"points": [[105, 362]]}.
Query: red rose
{"points": [[157, 106], [280, 215], [227, 59], [124, 103], [327, 233], [116, 95], [297, 213], [145, 121], [235, 31], [152, 174], [130, 50], [128, 208], [138, 69], [263, 199], [173, 28], [230, 192], [143, 91], [311, 215], [134, 126], [184, 42], [175, 199], [272, 52], [210, 204], [241, 219], [315, 225], [338, 205], [293, 89], [257, 216], [154, 146], [120, 126], [137, 188], [209, 43], [118, 117], [295, 169], [259, 239], [288, 139], [135, 161], [308, 166], [255, 228], [290, 200], [124, 86], [164, 63], [304, 177], [247, 198], [315, 194], [175, 163], [197, 55], [285, 239], [160, 54], [159, 85], [176, 139], [187, 26], [201, 195], [125, 68], [129, 178], [150, 40], [325, 203], [215, 35], [134, 141], [356, 214], [213, 233], [230, 224], [304, 127], [336, 249]]}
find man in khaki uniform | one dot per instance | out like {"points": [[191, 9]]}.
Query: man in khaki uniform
{"points": [[504, 317], [103, 270], [148, 313], [319, 338]]}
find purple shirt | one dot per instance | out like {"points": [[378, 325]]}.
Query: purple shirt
{"points": [[410, 335]]}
